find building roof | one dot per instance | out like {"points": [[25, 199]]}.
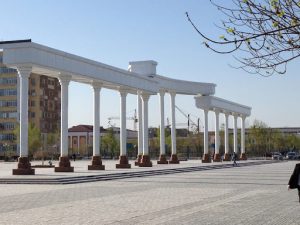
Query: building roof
{"points": [[83, 128]]}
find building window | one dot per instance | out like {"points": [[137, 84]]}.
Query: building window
{"points": [[32, 103], [8, 92], [32, 92], [7, 137], [32, 81], [8, 103], [7, 126], [7, 70], [8, 80], [5, 115]]}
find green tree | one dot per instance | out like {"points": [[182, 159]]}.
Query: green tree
{"points": [[110, 144], [34, 138], [258, 138], [264, 32]]}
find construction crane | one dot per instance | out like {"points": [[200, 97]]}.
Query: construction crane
{"points": [[133, 118], [195, 125]]}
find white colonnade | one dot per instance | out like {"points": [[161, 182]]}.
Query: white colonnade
{"points": [[140, 79], [218, 105]]}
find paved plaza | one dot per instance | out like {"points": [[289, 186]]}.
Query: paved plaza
{"points": [[239, 195]]}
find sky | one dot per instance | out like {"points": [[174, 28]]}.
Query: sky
{"points": [[115, 32]]}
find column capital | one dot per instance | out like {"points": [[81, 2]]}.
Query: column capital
{"points": [[217, 111], [96, 85], [145, 96], [24, 71], [205, 110], [123, 92], [172, 93], [235, 115], [161, 91], [64, 79]]}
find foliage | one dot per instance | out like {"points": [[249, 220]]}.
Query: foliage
{"points": [[34, 137], [263, 140], [53, 138], [110, 144], [257, 137], [266, 33]]}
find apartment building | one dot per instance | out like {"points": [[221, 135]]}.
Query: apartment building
{"points": [[43, 105]]}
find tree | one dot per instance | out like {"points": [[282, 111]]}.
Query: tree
{"points": [[258, 138], [110, 143], [34, 137], [265, 32]]}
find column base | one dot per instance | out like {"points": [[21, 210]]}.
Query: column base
{"points": [[217, 158], [162, 160], [138, 160], [243, 156], [96, 164], [123, 163], [64, 165], [24, 167], [145, 162], [206, 158], [226, 157], [174, 159]]}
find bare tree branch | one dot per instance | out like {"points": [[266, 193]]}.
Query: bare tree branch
{"points": [[265, 32]]}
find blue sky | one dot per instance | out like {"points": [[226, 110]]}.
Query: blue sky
{"points": [[117, 31]]}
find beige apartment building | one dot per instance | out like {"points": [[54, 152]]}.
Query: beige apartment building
{"points": [[43, 105]]}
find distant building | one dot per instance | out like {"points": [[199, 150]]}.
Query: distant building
{"points": [[43, 105], [81, 136]]}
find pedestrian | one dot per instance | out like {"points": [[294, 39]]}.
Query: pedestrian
{"points": [[294, 181], [74, 157], [234, 156]]}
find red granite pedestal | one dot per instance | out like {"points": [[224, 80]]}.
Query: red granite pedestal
{"points": [[217, 158], [226, 157], [206, 158], [162, 160], [138, 160], [64, 165], [123, 163], [145, 161], [243, 156], [96, 164], [174, 159], [24, 167]]}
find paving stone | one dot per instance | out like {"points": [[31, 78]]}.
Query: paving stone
{"points": [[253, 195]]}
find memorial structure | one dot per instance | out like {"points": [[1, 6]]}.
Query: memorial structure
{"points": [[140, 79]]}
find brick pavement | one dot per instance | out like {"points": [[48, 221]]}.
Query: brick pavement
{"points": [[241, 195]]}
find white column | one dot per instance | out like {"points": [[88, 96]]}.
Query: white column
{"points": [[140, 120], [78, 143], [243, 134], [70, 142], [24, 73], [205, 131], [145, 99], [217, 137], [226, 138], [162, 122], [123, 134], [235, 141], [96, 130], [64, 82], [173, 124]]}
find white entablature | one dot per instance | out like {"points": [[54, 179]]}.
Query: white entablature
{"points": [[53, 62], [222, 105]]}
